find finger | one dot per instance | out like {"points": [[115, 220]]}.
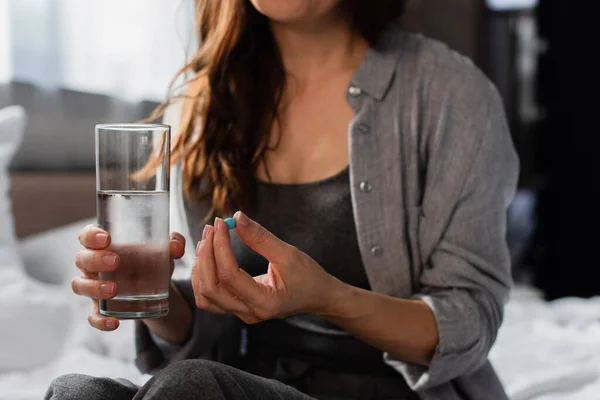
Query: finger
{"points": [[199, 274], [97, 260], [259, 239], [207, 285], [177, 245], [101, 322], [204, 262], [93, 237], [93, 288], [229, 273]]}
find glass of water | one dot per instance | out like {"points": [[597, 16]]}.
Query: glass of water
{"points": [[132, 186]]}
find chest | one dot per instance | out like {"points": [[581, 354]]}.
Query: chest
{"points": [[309, 140]]}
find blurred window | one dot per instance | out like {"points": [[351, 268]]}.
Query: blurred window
{"points": [[506, 5], [125, 48]]}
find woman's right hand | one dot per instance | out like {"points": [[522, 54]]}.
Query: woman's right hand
{"points": [[95, 258]]}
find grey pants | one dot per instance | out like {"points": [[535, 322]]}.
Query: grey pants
{"points": [[209, 380], [183, 380]]}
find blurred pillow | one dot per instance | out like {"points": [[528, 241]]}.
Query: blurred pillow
{"points": [[27, 305], [12, 125], [36, 322], [50, 256]]}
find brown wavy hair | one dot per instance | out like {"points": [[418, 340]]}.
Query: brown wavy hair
{"points": [[234, 90]]}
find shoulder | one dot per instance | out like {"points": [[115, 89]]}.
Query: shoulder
{"points": [[448, 96], [435, 70], [447, 109]]}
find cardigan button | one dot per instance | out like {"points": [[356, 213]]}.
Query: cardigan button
{"points": [[354, 91], [365, 187], [376, 250]]}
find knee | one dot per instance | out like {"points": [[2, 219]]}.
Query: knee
{"points": [[77, 386], [70, 387]]}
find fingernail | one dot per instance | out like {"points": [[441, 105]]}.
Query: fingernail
{"points": [[101, 239], [217, 224], [205, 231], [243, 219], [198, 248], [109, 260], [107, 288], [111, 324]]}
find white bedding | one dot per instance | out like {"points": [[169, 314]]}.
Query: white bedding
{"points": [[545, 351]]}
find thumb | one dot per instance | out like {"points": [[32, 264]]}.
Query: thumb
{"points": [[176, 245], [259, 239]]}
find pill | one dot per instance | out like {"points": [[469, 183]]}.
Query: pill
{"points": [[230, 222]]}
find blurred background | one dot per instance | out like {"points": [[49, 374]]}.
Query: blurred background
{"points": [[71, 64]]}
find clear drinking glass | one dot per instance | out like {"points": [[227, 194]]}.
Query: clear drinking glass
{"points": [[132, 186]]}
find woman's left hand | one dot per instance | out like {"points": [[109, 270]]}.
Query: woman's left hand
{"points": [[293, 284]]}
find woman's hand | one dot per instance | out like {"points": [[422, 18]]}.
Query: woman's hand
{"points": [[96, 258], [294, 283]]}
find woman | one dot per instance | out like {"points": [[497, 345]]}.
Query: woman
{"points": [[374, 168]]}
